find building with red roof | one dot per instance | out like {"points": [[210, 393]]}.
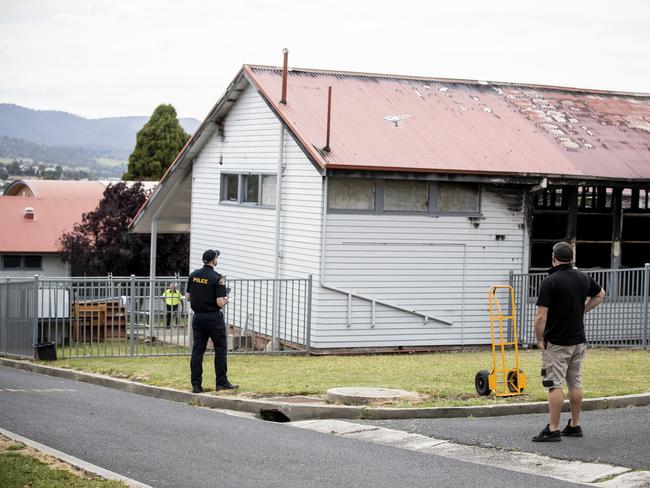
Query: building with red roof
{"points": [[407, 197], [33, 216]]}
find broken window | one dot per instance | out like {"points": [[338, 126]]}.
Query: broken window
{"points": [[594, 227], [598, 219], [552, 198], [590, 255], [406, 195], [635, 254], [635, 235], [351, 194], [540, 255], [550, 226]]}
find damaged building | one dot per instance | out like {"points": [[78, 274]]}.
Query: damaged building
{"points": [[406, 198]]}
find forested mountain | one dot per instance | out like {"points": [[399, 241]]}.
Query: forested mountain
{"points": [[53, 137]]}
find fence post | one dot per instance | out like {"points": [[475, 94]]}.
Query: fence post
{"points": [[132, 316], [511, 284], [275, 314], [35, 318], [310, 283], [646, 292], [5, 317]]}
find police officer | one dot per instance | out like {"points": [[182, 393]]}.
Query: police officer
{"points": [[207, 294]]}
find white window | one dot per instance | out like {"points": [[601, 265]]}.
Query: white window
{"points": [[248, 189], [268, 190], [251, 190], [230, 188]]}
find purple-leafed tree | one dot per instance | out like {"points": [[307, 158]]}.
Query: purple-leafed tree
{"points": [[101, 243]]}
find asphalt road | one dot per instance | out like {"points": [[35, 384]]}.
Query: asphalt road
{"points": [[164, 444], [619, 436]]}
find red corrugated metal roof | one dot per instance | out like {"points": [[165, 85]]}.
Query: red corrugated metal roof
{"points": [[57, 189], [57, 207], [384, 122]]}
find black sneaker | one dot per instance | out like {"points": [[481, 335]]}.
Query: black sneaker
{"points": [[547, 436], [571, 431], [197, 389], [227, 386]]}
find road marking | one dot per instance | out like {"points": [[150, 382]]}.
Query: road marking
{"points": [[104, 473], [37, 390], [574, 471]]}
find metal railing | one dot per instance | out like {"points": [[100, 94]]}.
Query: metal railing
{"points": [[133, 316], [622, 320]]}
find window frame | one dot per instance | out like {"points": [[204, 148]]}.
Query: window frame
{"points": [[433, 188], [22, 266], [32, 268], [241, 189]]}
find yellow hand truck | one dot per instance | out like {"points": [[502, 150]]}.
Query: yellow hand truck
{"points": [[503, 381]]}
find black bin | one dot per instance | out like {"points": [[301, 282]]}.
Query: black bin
{"points": [[45, 351]]}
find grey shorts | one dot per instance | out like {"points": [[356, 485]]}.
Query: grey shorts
{"points": [[562, 363]]}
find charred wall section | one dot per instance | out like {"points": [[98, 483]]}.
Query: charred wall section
{"points": [[608, 226]]}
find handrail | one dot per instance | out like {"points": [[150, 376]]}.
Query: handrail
{"points": [[373, 301]]}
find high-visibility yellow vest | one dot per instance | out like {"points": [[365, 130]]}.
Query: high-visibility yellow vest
{"points": [[172, 297]]}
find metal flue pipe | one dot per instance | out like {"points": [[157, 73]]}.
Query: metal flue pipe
{"points": [[285, 74]]}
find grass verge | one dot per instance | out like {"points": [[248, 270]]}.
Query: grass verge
{"points": [[22, 466], [442, 379]]}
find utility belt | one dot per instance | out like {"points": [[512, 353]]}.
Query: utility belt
{"points": [[207, 314]]}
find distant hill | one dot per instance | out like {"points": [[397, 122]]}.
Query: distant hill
{"points": [[135, 123], [114, 136]]}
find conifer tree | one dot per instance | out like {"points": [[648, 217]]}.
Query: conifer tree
{"points": [[157, 145]]}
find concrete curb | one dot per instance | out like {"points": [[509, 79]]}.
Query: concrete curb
{"points": [[74, 461], [307, 411]]}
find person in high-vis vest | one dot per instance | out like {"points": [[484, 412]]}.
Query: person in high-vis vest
{"points": [[173, 299]]}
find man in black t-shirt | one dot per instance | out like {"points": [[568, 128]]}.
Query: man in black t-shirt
{"points": [[564, 297], [207, 294]]}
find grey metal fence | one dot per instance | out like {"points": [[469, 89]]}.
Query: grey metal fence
{"points": [[135, 316], [621, 320], [18, 309]]}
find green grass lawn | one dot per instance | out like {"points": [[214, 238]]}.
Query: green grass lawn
{"points": [[22, 467], [443, 379]]}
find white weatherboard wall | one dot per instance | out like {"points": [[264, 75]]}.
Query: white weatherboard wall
{"points": [[419, 262], [245, 234], [437, 265]]}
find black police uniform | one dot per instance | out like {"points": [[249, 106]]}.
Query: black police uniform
{"points": [[205, 286]]}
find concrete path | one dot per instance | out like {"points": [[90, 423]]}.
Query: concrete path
{"points": [[618, 436], [598, 474], [163, 443]]}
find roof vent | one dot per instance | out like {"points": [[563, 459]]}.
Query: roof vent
{"points": [[29, 213]]}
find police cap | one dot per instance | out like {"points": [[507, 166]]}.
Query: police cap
{"points": [[209, 255]]}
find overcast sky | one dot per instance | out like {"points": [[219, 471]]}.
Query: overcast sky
{"points": [[99, 58]]}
